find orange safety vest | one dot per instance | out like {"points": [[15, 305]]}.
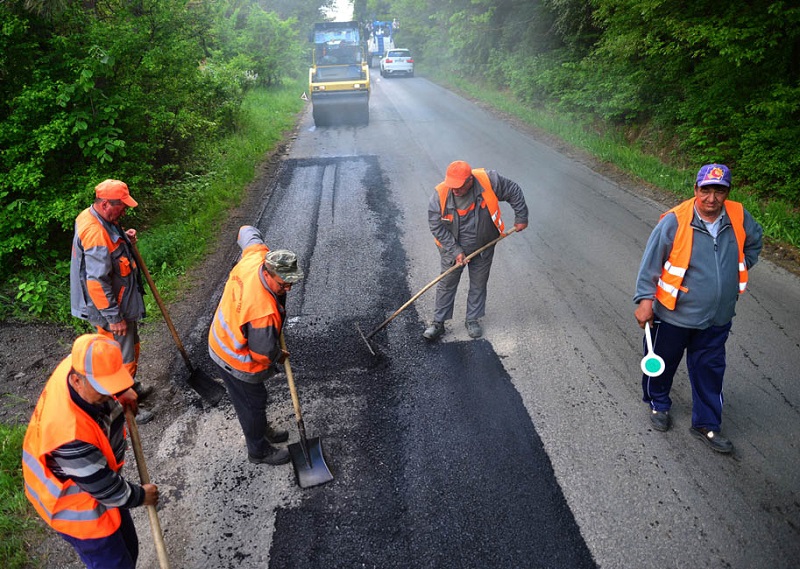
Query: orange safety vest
{"points": [[490, 200], [244, 300], [675, 268], [56, 421]]}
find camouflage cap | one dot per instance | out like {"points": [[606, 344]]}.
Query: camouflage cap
{"points": [[284, 264]]}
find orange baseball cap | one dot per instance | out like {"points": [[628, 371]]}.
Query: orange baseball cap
{"points": [[100, 360], [457, 173], [115, 190]]}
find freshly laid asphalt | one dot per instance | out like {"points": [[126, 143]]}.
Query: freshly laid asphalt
{"points": [[440, 464]]}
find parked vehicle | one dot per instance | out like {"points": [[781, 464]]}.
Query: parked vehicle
{"points": [[397, 62]]}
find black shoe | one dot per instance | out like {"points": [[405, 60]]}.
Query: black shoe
{"points": [[433, 331], [474, 328], [277, 435], [661, 420], [144, 416], [713, 439], [275, 456], [142, 392]]}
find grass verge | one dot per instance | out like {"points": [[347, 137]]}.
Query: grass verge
{"points": [[17, 521]]}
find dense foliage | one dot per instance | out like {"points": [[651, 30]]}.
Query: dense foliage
{"points": [[129, 90], [703, 80]]}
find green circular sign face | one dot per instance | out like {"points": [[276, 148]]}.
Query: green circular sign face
{"points": [[653, 365]]}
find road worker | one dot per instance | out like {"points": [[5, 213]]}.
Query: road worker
{"points": [[464, 215], [244, 338], [694, 267], [73, 453], [105, 285]]}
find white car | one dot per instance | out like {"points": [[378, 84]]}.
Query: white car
{"points": [[397, 61]]}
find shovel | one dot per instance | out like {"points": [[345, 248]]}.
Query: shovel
{"points": [[307, 458], [369, 336], [144, 476], [198, 380]]}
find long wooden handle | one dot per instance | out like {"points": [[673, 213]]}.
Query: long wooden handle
{"points": [[437, 279], [155, 525], [161, 305], [290, 379]]}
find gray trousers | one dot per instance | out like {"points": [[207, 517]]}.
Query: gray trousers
{"points": [[478, 269]]}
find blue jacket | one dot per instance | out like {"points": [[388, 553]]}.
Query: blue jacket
{"points": [[712, 279]]}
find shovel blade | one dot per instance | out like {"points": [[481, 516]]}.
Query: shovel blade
{"points": [[210, 390], [310, 470]]}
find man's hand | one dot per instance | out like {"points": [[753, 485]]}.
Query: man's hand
{"points": [[129, 399], [150, 495], [118, 328], [644, 312], [461, 259], [282, 356], [520, 226], [131, 233]]}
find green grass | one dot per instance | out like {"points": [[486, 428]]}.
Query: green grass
{"points": [[177, 237], [174, 241], [18, 520], [780, 219]]}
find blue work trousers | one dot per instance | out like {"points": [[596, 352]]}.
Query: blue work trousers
{"points": [[119, 550], [705, 360]]}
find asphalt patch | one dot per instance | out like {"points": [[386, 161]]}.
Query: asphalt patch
{"points": [[435, 459]]}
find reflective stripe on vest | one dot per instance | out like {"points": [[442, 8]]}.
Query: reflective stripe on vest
{"points": [[674, 270], [490, 200], [244, 300], [56, 421]]}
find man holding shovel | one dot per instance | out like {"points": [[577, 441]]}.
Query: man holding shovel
{"points": [[105, 286], [464, 215], [244, 338], [73, 453]]}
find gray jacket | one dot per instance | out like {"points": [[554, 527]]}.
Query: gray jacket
{"points": [[447, 232], [712, 278], [103, 259]]}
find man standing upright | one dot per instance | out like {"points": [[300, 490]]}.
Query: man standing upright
{"points": [[244, 338], [694, 268], [73, 453], [464, 215], [105, 285]]}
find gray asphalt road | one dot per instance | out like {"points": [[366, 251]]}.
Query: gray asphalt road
{"points": [[528, 448]]}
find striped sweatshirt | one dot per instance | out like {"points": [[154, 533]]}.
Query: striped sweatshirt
{"points": [[85, 464]]}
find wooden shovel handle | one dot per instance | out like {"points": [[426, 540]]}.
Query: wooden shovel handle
{"points": [[155, 525], [437, 279], [161, 305]]}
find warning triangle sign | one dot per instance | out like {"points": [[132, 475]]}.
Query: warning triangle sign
{"points": [[304, 97]]}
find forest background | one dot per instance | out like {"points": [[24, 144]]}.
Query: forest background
{"points": [[150, 92]]}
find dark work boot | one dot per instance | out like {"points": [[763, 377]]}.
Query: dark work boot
{"points": [[277, 435], [660, 419], [434, 331], [474, 328], [713, 439], [274, 456], [142, 392]]}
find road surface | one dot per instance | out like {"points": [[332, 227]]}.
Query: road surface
{"points": [[530, 447]]}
